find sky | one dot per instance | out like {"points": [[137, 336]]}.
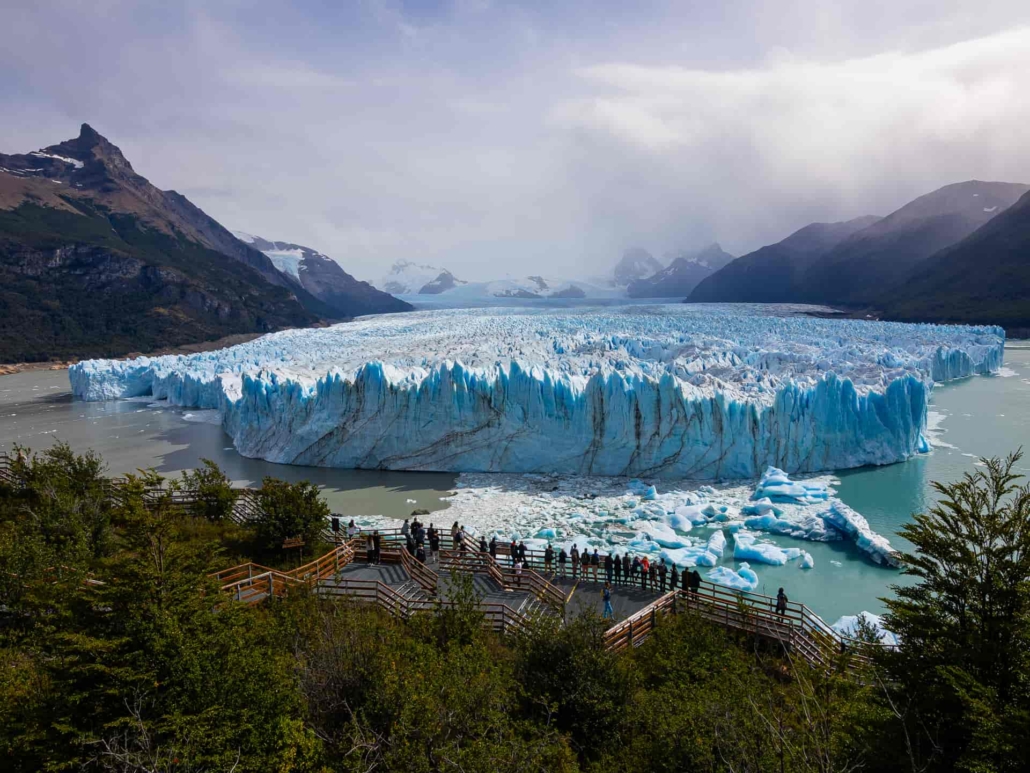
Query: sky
{"points": [[509, 138]]}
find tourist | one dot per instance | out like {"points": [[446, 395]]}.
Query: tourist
{"points": [[370, 546], [420, 554], [522, 553], [493, 547], [352, 529], [518, 573], [606, 594], [377, 541], [405, 529], [673, 578], [608, 566], [595, 564], [636, 568], [562, 558], [781, 602], [584, 561], [420, 535], [455, 530], [548, 558], [645, 566], [662, 571], [575, 561], [695, 581], [483, 547], [513, 552], [617, 567], [460, 538], [685, 579], [434, 542], [652, 574], [626, 566], [409, 543]]}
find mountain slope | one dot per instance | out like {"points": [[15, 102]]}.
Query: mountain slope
{"points": [[325, 279], [636, 263], [861, 268], [679, 278], [407, 278], [985, 278], [769, 274], [94, 260]]}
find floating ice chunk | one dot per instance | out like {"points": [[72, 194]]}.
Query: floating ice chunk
{"points": [[745, 548], [688, 556], [679, 522], [856, 528], [651, 494], [547, 534], [808, 526], [743, 579], [848, 626], [717, 543], [663, 535], [693, 513], [807, 562], [762, 506], [776, 486]]}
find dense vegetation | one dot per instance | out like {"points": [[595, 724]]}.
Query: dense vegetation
{"points": [[99, 284], [118, 653]]}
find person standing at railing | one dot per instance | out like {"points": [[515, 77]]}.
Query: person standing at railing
{"points": [[405, 529], [562, 558], [662, 572], [645, 568], [609, 566], [548, 558], [595, 564], [377, 543], [492, 549], [522, 552], [636, 568], [584, 563], [673, 578], [627, 565], [781, 602], [574, 555], [483, 547], [695, 581], [455, 530], [617, 568], [652, 574], [518, 572], [606, 594], [434, 542], [352, 530], [420, 535], [420, 554], [685, 579], [370, 547], [513, 552], [459, 537]]}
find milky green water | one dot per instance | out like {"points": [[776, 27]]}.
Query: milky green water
{"points": [[982, 416]]}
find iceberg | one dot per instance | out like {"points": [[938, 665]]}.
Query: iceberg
{"points": [[743, 579], [746, 549], [847, 626], [671, 392], [776, 486], [807, 562], [856, 528]]}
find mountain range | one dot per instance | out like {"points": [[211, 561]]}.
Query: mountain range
{"points": [[682, 275], [960, 253], [97, 261]]}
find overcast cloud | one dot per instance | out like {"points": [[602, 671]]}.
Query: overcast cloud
{"points": [[498, 138]]}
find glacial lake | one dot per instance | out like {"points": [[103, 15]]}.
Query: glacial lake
{"points": [[979, 416]]}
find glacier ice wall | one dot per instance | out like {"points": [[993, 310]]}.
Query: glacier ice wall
{"points": [[675, 391]]}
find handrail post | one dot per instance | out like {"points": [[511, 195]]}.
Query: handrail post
{"points": [[271, 587]]}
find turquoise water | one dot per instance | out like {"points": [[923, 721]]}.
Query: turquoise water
{"points": [[981, 416]]}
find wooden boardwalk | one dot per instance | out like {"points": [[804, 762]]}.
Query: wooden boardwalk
{"points": [[404, 587]]}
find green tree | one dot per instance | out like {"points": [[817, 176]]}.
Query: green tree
{"points": [[215, 496], [290, 510], [961, 674]]}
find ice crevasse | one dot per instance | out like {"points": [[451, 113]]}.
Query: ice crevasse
{"points": [[702, 392]]}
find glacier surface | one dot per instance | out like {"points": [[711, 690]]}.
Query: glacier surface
{"points": [[673, 391]]}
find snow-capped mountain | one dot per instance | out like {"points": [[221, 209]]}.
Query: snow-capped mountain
{"points": [[324, 278], [680, 277], [636, 263], [407, 278]]}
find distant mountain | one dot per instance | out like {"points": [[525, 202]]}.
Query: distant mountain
{"points": [[96, 261], [771, 274], [635, 264], [324, 278], [407, 278], [863, 267], [680, 277], [985, 278]]}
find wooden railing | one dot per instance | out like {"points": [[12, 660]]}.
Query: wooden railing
{"points": [[476, 561]]}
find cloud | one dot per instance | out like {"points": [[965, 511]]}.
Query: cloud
{"points": [[506, 138]]}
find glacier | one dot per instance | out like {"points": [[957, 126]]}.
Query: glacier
{"points": [[659, 391]]}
